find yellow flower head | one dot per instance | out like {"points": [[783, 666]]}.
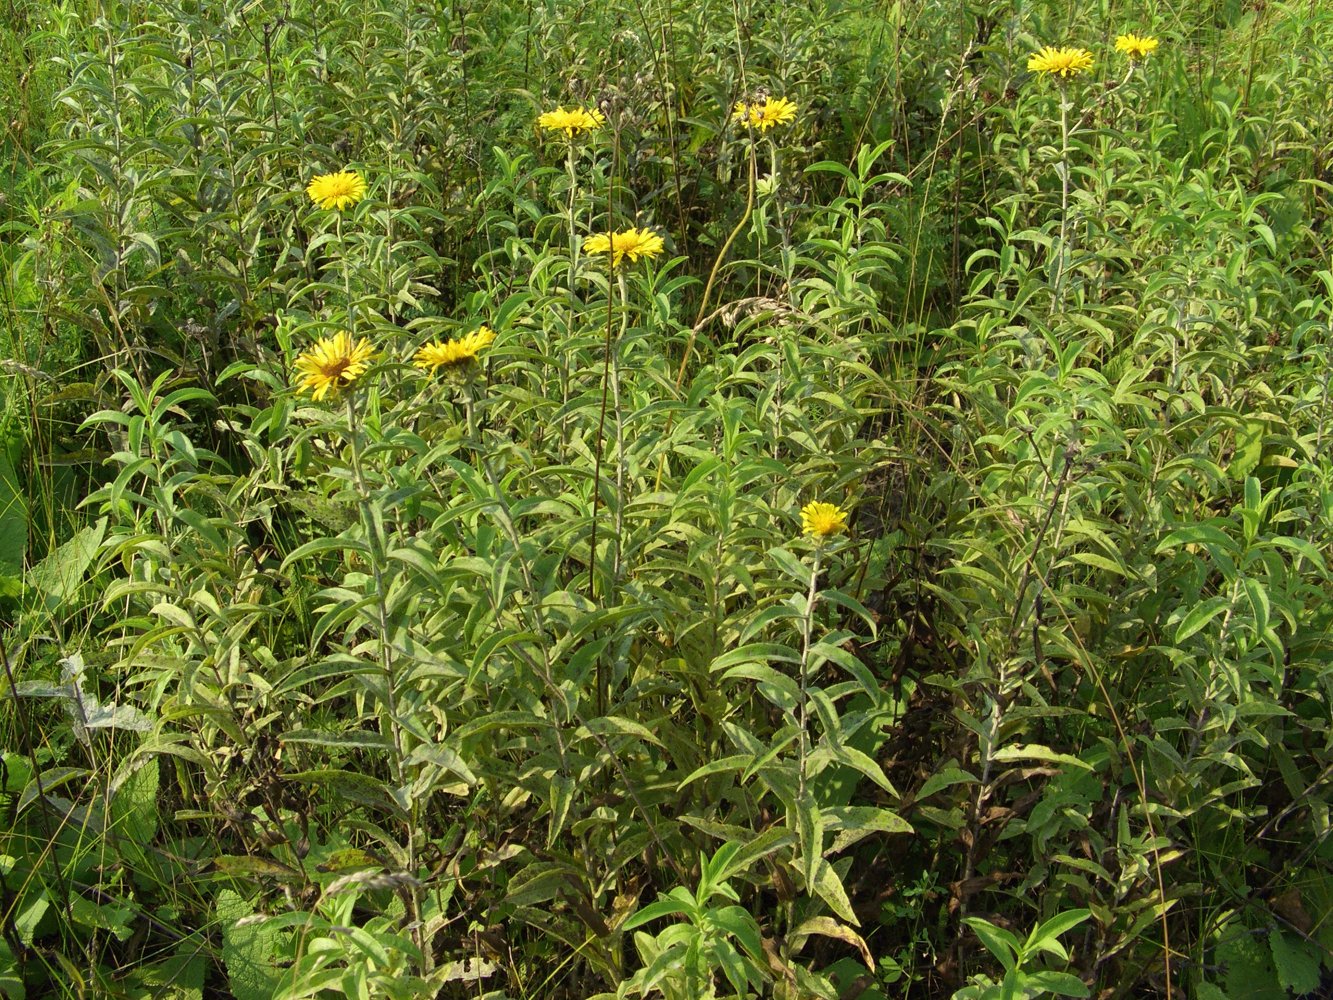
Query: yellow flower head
{"points": [[764, 114], [632, 243], [453, 352], [332, 363], [1063, 62], [341, 190], [819, 520], [572, 122], [1135, 46]]}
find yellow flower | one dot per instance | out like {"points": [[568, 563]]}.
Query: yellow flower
{"points": [[571, 122], [764, 115], [340, 190], [632, 243], [332, 363], [820, 520], [1063, 62], [453, 352], [1135, 46]]}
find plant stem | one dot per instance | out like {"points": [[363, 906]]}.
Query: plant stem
{"points": [[703, 304], [375, 542], [1064, 196], [620, 428], [377, 559], [803, 708], [573, 295], [609, 374]]}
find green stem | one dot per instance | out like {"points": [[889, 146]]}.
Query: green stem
{"points": [[1064, 196], [785, 252], [703, 306], [573, 295], [620, 429], [347, 276], [803, 708], [375, 542], [717, 264]]}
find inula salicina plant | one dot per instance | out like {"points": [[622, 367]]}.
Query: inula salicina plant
{"points": [[678, 500]]}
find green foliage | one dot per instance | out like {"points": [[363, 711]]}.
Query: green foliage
{"points": [[519, 678]]}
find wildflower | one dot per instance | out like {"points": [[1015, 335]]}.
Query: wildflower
{"points": [[453, 352], [1062, 62], [341, 190], [632, 243], [572, 122], [1135, 46], [763, 115], [332, 363], [820, 520]]}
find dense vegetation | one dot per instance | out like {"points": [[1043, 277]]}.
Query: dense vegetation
{"points": [[517, 676]]}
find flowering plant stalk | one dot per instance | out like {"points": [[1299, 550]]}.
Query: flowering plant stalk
{"points": [[820, 521], [788, 263], [372, 523], [573, 296]]}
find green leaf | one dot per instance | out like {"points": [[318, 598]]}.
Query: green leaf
{"points": [[249, 950], [740, 924], [358, 739], [757, 652], [828, 927], [1249, 967], [561, 800], [855, 822], [1259, 606], [735, 762], [1297, 962], [1197, 534], [810, 833], [998, 941], [655, 911], [1059, 924], [50, 779], [614, 725], [943, 779], [830, 890], [102, 916], [30, 916], [1199, 616], [134, 810], [59, 575], [539, 882], [1034, 751], [791, 566], [1249, 448], [13, 519], [1060, 983], [443, 757]]}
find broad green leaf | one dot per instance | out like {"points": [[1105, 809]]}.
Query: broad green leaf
{"points": [[1297, 962], [614, 725], [250, 950], [998, 941], [1199, 616], [828, 927], [1034, 751], [943, 779], [13, 519], [1249, 448], [59, 575], [831, 891]]}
